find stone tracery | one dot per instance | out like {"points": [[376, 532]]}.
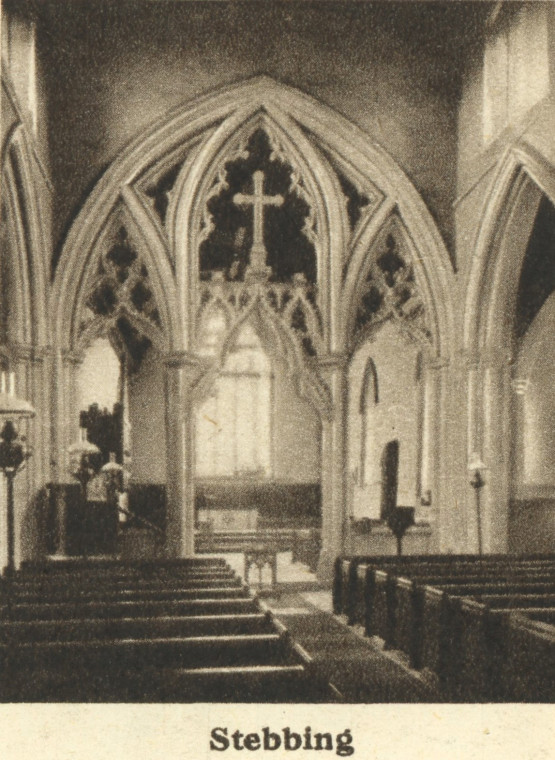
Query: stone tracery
{"points": [[120, 301], [389, 291]]}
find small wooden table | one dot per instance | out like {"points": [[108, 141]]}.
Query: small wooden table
{"points": [[261, 555]]}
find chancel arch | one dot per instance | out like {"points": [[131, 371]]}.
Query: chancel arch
{"points": [[257, 156]]}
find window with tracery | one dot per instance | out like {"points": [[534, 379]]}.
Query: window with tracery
{"points": [[233, 425]]}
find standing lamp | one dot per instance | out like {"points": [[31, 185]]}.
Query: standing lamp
{"points": [[80, 456], [476, 467], [399, 520], [13, 452], [113, 473]]}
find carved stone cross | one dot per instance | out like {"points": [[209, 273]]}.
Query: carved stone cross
{"points": [[258, 200]]}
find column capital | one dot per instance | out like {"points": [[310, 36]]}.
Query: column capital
{"points": [[23, 352], [69, 356], [333, 361], [184, 359], [437, 362]]}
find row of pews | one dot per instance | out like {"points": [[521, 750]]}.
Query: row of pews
{"points": [[161, 631], [482, 627]]}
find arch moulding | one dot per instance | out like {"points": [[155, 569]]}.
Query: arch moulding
{"points": [[315, 136], [303, 121], [522, 178]]}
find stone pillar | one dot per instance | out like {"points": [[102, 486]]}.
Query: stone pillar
{"points": [[65, 421], [31, 367], [427, 480], [333, 479], [496, 454], [450, 473], [182, 373]]}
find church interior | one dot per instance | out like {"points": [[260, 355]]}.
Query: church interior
{"points": [[277, 301]]}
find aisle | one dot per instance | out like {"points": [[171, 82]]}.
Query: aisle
{"points": [[354, 664]]}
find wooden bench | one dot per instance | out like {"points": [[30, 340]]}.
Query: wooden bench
{"points": [[348, 583], [178, 632], [528, 672], [405, 604], [479, 640]]}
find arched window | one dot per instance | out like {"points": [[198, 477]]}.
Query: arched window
{"points": [[369, 394], [233, 425]]}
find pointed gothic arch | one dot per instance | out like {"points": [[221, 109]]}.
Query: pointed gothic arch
{"points": [[161, 181], [522, 179], [30, 268], [207, 125]]}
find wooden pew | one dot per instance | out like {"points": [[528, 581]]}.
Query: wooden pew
{"points": [[86, 629], [191, 590], [393, 596], [61, 582], [127, 654], [125, 609], [406, 602], [361, 609], [148, 634], [345, 590], [348, 585], [528, 671], [439, 644], [479, 640]]}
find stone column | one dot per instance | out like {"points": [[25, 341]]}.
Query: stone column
{"points": [[450, 472], [497, 444], [31, 371], [334, 372], [427, 492], [182, 373], [65, 426]]}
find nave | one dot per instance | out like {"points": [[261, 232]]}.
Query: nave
{"points": [[394, 629], [175, 631]]}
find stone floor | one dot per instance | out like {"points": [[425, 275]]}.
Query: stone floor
{"points": [[287, 571]]}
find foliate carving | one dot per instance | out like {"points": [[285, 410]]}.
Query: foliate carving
{"points": [[389, 291], [297, 185], [357, 201]]}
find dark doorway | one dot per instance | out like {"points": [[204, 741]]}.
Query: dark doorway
{"points": [[390, 477]]}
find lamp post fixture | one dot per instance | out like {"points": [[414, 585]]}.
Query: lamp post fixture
{"points": [[14, 452], [80, 455], [476, 467], [113, 472]]}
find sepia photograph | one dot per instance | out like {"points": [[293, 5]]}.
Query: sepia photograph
{"points": [[277, 318]]}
